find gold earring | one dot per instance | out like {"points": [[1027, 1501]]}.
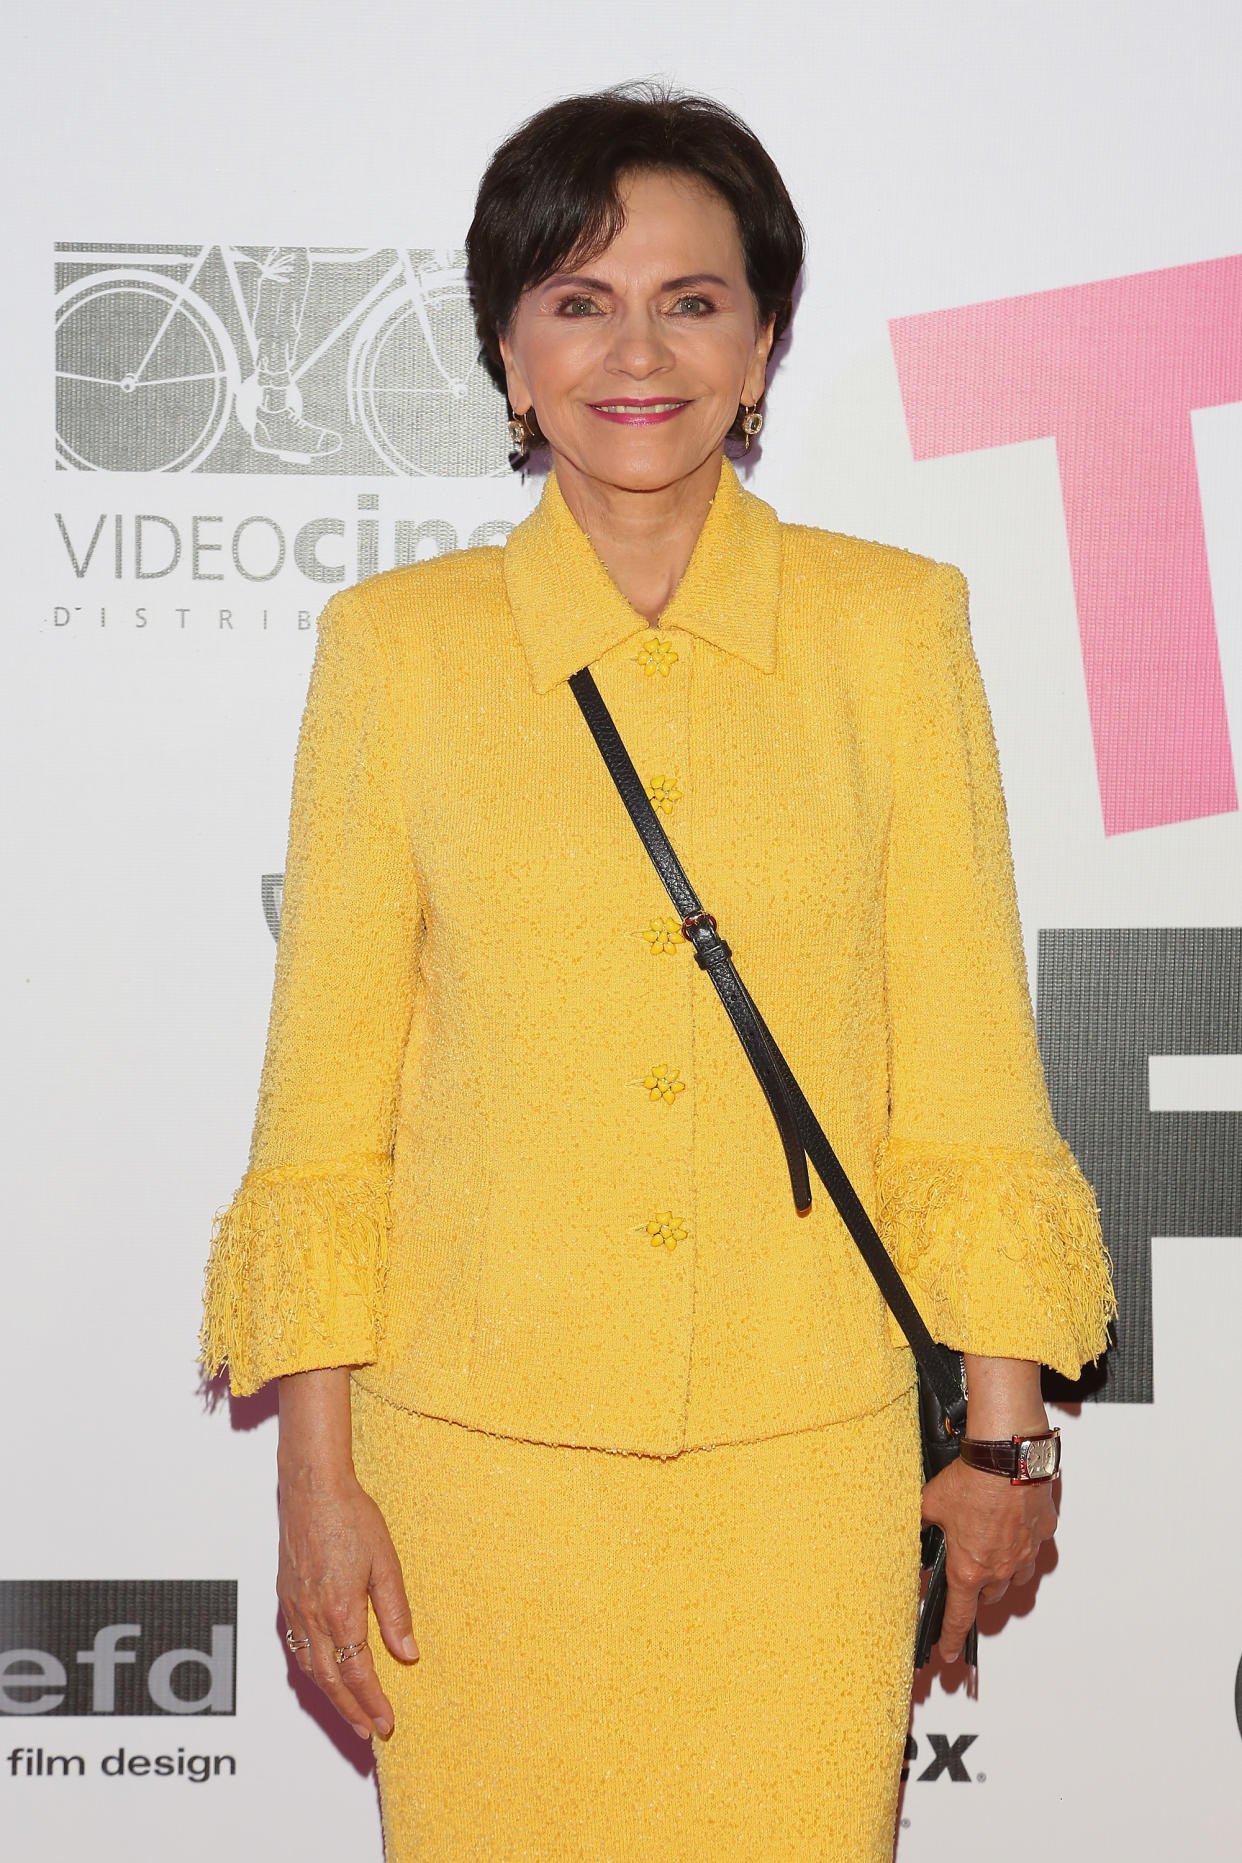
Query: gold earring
{"points": [[524, 433], [752, 421]]}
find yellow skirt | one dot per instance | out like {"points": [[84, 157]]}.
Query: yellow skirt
{"points": [[701, 1658]]}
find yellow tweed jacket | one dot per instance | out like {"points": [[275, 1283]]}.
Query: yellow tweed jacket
{"points": [[509, 1159]]}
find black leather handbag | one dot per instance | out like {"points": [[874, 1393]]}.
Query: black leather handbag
{"points": [[941, 1372]]}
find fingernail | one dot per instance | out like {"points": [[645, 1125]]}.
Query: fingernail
{"points": [[409, 1649], [383, 1729], [363, 1733]]}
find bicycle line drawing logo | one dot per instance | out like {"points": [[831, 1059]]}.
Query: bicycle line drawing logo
{"points": [[278, 359]]}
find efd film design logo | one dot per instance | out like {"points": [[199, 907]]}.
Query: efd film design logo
{"points": [[277, 359], [118, 1646]]}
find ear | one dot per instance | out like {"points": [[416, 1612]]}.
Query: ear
{"points": [[757, 374], [520, 397]]}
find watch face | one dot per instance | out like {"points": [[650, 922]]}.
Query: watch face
{"points": [[1040, 1460]]}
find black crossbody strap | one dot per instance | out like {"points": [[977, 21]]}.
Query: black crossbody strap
{"points": [[710, 949], [801, 1133]]}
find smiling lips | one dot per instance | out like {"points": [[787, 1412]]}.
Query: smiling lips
{"points": [[637, 413]]}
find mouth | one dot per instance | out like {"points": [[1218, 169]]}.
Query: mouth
{"points": [[631, 413]]}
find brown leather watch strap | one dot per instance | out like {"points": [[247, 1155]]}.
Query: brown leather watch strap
{"points": [[1020, 1459]]}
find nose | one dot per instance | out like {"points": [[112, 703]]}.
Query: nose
{"points": [[639, 347]]}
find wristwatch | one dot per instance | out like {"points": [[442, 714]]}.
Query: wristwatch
{"points": [[1023, 1459]]}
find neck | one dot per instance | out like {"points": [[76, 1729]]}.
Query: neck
{"points": [[644, 539]]}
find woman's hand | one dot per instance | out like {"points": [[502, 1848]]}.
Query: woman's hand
{"points": [[993, 1531], [335, 1551]]}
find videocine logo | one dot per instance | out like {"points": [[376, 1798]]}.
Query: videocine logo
{"points": [[260, 359], [118, 1646]]}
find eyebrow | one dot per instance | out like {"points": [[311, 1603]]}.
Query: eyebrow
{"points": [[670, 284]]}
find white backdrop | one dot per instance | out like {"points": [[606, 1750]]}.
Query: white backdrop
{"points": [[941, 157]]}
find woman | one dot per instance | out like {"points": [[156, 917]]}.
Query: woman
{"points": [[558, 1361]]}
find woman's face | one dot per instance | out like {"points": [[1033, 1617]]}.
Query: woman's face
{"points": [[635, 364]]}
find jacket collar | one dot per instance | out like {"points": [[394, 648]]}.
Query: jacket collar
{"points": [[569, 612]]}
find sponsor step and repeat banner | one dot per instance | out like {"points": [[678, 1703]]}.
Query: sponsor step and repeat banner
{"points": [[1019, 349]]}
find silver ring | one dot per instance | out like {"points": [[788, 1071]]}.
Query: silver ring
{"points": [[296, 1643], [344, 1651]]}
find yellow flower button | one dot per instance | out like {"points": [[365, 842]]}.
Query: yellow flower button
{"points": [[664, 791], [663, 935], [667, 1229], [664, 1083], [656, 656]]}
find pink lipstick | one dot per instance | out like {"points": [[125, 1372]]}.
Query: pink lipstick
{"points": [[631, 413]]}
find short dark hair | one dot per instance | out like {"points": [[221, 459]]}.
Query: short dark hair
{"points": [[551, 196]]}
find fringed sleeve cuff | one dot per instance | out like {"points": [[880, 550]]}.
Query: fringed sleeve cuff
{"points": [[1000, 1248], [295, 1275]]}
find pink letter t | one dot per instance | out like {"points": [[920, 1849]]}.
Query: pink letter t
{"points": [[1111, 371]]}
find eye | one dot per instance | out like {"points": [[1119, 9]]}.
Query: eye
{"points": [[693, 304], [577, 306]]}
